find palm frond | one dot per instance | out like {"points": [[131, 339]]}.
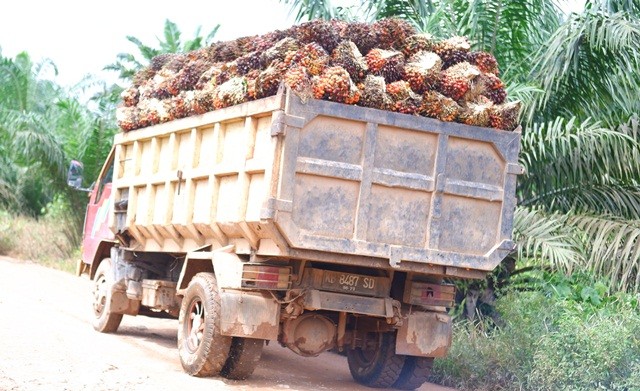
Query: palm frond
{"points": [[581, 166], [171, 42], [583, 58], [546, 238], [614, 249], [311, 9], [406, 9]]}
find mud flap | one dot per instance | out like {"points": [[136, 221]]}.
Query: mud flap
{"points": [[249, 314], [424, 334], [121, 304]]}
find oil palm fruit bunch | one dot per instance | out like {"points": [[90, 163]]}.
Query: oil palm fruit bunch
{"points": [[493, 87], [335, 84], [299, 80], [203, 100], [391, 33], [130, 96], [505, 116], [179, 106], [456, 81], [153, 111], [224, 73], [143, 76], [402, 71], [476, 113], [268, 81], [410, 105], [362, 35], [423, 71], [176, 62], [310, 56], [224, 51], [162, 86], [320, 32], [374, 93], [160, 61], [347, 55], [266, 41], [417, 43], [245, 45], [127, 118], [485, 61], [402, 98], [279, 50], [453, 50], [249, 62], [398, 90], [231, 92], [386, 63], [438, 106], [187, 78]]}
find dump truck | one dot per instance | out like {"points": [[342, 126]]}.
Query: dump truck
{"points": [[314, 224]]}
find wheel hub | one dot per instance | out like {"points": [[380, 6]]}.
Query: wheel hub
{"points": [[100, 295], [195, 325]]}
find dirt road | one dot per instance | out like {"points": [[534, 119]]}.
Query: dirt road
{"points": [[47, 343]]}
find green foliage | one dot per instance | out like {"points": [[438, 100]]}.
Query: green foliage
{"points": [[312, 9], [128, 64], [588, 58], [570, 334], [580, 199]]}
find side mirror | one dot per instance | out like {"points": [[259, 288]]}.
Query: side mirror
{"points": [[74, 175]]}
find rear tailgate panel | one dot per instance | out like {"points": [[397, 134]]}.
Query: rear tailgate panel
{"points": [[410, 189]]}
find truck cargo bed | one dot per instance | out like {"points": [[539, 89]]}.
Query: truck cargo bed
{"points": [[317, 179]]}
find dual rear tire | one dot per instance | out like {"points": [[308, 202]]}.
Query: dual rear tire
{"points": [[203, 350], [378, 366]]}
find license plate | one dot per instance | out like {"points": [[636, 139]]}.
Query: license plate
{"points": [[352, 283]]}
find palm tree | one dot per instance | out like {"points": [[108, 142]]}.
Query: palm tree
{"points": [[128, 64], [41, 128], [577, 75]]}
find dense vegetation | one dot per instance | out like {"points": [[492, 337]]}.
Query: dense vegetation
{"points": [[567, 313]]}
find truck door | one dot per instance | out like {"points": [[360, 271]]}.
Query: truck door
{"points": [[96, 226]]}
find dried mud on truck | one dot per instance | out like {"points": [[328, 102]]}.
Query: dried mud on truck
{"points": [[315, 187]]}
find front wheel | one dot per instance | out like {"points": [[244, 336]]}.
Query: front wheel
{"points": [[376, 364], [203, 350], [105, 321]]}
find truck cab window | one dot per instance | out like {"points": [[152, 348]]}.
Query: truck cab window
{"points": [[106, 179]]}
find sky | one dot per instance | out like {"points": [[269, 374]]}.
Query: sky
{"points": [[82, 37]]}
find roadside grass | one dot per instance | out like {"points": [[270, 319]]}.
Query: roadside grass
{"points": [[559, 337], [46, 240]]}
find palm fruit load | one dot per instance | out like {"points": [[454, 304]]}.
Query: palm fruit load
{"points": [[385, 65]]}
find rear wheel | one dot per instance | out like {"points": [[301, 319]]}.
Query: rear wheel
{"points": [[105, 321], [203, 350], [243, 358], [376, 364], [414, 373]]}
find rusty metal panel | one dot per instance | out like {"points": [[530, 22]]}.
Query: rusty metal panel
{"points": [[249, 314], [409, 189], [159, 294], [425, 334], [319, 300]]}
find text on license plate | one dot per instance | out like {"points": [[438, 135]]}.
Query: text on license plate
{"points": [[348, 282]]}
